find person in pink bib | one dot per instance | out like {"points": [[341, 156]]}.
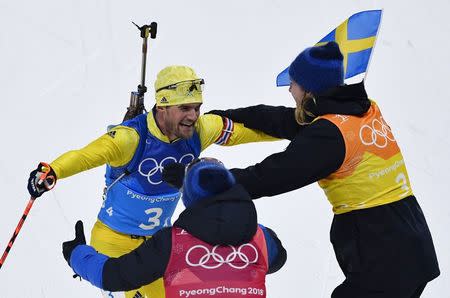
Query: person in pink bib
{"points": [[215, 247]]}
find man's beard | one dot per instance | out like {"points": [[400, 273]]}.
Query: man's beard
{"points": [[181, 131]]}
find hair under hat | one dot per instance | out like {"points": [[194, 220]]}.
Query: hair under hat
{"points": [[172, 75], [205, 179], [319, 68]]}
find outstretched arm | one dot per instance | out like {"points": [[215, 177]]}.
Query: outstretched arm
{"points": [[115, 148], [142, 266], [277, 121], [316, 152], [214, 129]]}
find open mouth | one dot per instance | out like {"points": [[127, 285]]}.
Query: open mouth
{"points": [[186, 124]]}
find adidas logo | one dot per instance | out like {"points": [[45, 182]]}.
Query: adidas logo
{"points": [[138, 295], [112, 133], [163, 100]]}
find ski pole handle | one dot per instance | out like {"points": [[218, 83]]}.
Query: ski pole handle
{"points": [[17, 230], [47, 179]]}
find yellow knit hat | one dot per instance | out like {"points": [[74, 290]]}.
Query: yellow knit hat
{"points": [[176, 74]]}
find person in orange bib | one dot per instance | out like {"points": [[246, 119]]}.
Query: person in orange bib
{"points": [[340, 139]]}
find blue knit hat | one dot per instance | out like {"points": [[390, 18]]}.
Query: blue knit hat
{"points": [[204, 178], [318, 69]]}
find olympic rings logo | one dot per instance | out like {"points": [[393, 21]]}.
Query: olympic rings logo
{"points": [[155, 167], [219, 260], [378, 134]]}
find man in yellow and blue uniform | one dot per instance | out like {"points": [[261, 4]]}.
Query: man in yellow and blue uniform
{"points": [[137, 203]]}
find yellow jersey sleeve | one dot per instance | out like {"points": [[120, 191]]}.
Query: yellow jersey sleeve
{"points": [[214, 129], [116, 148]]}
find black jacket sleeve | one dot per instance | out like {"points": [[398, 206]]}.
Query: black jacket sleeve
{"points": [[317, 151], [142, 266], [277, 121]]}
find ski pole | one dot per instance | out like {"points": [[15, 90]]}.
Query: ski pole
{"points": [[17, 230], [137, 98], [44, 180]]}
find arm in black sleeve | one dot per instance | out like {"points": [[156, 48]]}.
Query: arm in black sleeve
{"points": [[317, 151], [277, 122], [142, 266]]}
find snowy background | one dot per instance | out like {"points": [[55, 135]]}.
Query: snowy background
{"points": [[67, 68]]}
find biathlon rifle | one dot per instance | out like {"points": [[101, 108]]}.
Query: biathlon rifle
{"points": [[137, 97]]}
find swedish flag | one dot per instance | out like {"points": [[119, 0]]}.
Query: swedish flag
{"points": [[356, 39]]}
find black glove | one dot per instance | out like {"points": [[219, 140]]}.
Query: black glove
{"points": [[173, 174], [41, 180], [69, 246]]}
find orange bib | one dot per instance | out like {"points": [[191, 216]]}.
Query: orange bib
{"points": [[373, 172]]}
